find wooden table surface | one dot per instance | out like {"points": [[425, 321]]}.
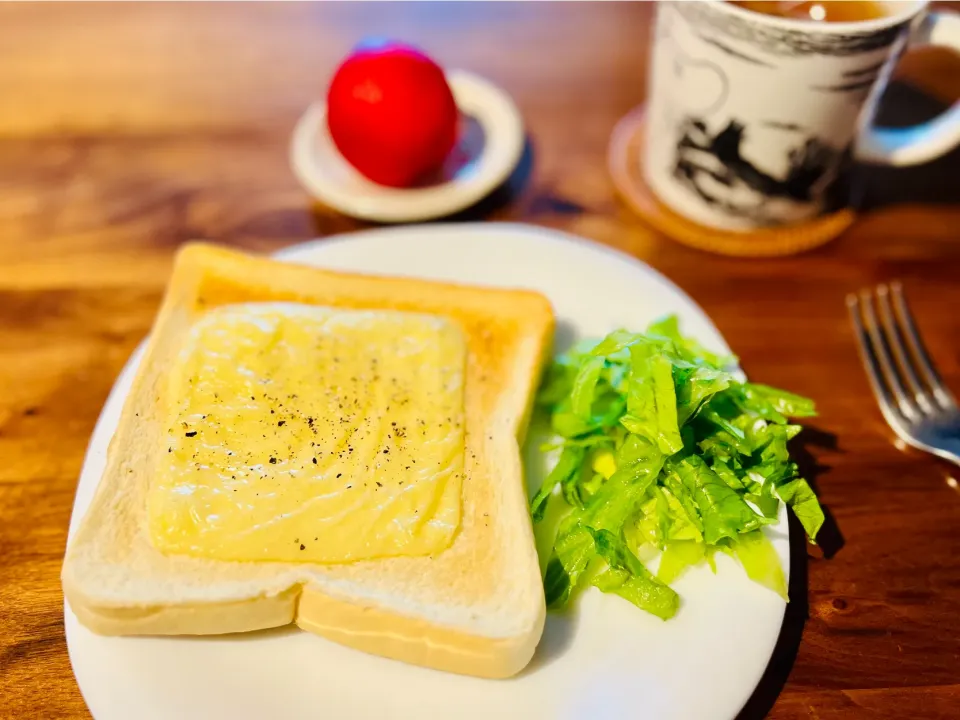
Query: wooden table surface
{"points": [[127, 129]]}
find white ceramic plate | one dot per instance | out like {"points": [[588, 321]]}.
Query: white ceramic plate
{"points": [[606, 660], [488, 150]]}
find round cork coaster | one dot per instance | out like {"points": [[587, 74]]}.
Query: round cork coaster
{"points": [[623, 161]]}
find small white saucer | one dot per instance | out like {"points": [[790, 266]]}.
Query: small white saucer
{"points": [[489, 148]]}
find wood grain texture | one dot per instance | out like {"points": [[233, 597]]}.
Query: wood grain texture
{"points": [[127, 129]]}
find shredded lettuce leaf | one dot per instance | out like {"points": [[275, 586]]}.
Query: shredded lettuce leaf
{"points": [[629, 578], [759, 559], [677, 557], [801, 499], [663, 450]]}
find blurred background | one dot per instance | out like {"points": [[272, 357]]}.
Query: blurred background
{"points": [[128, 128]]}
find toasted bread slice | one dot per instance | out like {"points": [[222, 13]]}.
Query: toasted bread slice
{"points": [[475, 608]]}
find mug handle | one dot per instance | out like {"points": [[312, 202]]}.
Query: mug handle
{"points": [[924, 142]]}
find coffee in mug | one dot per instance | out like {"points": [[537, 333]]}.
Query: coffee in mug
{"points": [[827, 11], [752, 117]]}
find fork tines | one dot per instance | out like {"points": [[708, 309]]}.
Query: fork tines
{"points": [[901, 374]]}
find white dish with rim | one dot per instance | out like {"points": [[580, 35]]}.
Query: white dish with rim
{"points": [[489, 148], [607, 659]]}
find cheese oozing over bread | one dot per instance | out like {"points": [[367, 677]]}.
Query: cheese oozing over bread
{"points": [[314, 434]]}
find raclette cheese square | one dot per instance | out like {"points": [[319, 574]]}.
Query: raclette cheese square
{"points": [[305, 433]]}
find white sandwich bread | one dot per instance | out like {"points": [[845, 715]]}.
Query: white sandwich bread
{"points": [[329, 449]]}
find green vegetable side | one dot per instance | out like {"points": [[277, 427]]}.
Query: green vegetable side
{"points": [[663, 449]]}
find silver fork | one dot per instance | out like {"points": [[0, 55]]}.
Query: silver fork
{"points": [[913, 399]]}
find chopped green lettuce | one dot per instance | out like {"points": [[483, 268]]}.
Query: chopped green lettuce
{"points": [[799, 496], [664, 450], [627, 577], [677, 557], [759, 558], [585, 387], [567, 467]]}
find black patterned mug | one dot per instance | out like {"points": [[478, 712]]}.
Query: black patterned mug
{"points": [[751, 118]]}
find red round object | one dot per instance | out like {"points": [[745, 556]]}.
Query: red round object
{"points": [[391, 114]]}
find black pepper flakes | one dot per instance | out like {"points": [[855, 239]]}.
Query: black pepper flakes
{"points": [[339, 474], [281, 423], [273, 461], [191, 433], [302, 546], [314, 461]]}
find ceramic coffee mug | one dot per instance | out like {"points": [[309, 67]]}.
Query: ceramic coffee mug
{"points": [[752, 118]]}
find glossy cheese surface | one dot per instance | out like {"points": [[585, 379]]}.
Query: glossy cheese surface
{"points": [[303, 433]]}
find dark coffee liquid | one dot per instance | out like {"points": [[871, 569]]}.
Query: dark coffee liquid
{"points": [[827, 11]]}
